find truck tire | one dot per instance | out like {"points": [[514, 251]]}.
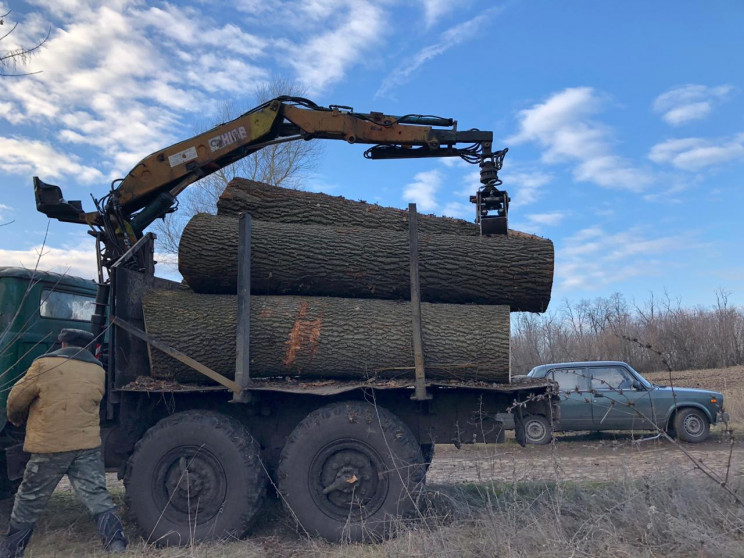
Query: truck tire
{"points": [[537, 430], [348, 470], [195, 476], [691, 425]]}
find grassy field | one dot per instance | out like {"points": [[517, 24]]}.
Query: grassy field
{"points": [[663, 513]]}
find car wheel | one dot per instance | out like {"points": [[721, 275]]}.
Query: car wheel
{"points": [[691, 425], [537, 430], [348, 470], [195, 476]]}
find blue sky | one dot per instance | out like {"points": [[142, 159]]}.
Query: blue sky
{"points": [[624, 120]]}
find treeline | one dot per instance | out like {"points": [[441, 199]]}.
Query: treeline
{"points": [[656, 335]]}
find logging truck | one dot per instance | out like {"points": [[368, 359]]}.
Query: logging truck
{"points": [[346, 456]]}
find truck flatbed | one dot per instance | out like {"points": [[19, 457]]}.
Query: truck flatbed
{"points": [[329, 387]]}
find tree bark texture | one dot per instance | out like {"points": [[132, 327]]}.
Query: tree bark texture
{"points": [[314, 260], [327, 337], [273, 203]]}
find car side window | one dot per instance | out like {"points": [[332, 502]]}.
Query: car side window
{"points": [[610, 377], [569, 379]]}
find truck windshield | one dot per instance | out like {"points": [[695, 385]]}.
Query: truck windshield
{"points": [[66, 306]]}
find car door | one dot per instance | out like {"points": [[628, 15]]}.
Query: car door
{"points": [[616, 403], [575, 398]]}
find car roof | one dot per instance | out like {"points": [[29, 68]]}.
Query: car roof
{"points": [[578, 364], [36, 275]]}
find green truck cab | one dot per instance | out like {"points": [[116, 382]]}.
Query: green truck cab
{"points": [[34, 306]]}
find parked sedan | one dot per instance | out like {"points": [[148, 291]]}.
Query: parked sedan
{"points": [[610, 395]]}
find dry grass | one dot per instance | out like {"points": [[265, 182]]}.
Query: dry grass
{"points": [[663, 515]]}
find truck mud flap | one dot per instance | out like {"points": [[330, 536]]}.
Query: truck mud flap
{"points": [[519, 434]]}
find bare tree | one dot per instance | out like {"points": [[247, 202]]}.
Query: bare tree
{"points": [[11, 60], [655, 335], [285, 164]]}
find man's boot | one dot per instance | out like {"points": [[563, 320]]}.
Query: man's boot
{"points": [[111, 531], [15, 543]]}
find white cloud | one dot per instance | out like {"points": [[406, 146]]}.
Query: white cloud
{"points": [[450, 38], [524, 188], [694, 154], [67, 8], [317, 183], [125, 78], [593, 258], [434, 10], [352, 28], [167, 267], [184, 25], [684, 104], [459, 210], [547, 219], [423, 190], [32, 157], [611, 171], [78, 261], [563, 126]]}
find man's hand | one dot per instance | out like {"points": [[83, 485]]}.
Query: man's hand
{"points": [[18, 417]]}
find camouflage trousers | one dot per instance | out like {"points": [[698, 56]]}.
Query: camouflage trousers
{"points": [[43, 472]]}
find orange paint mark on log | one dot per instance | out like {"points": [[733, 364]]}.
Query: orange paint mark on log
{"points": [[304, 336]]}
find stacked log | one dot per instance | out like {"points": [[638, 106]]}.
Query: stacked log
{"points": [[272, 203], [327, 337], [329, 279], [316, 260], [284, 205]]}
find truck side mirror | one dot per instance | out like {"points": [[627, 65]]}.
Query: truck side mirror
{"points": [[638, 386]]}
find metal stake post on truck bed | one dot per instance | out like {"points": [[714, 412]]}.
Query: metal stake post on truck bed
{"points": [[420, 393], [243, 341]]}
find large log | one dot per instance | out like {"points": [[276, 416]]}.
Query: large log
{"points": [[273, 203], [316, 337], [314, 260]]}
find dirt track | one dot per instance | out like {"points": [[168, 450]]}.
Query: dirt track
{"points": [[606, 456], [585, 457]]}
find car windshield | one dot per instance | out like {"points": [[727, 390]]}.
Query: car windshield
{"points": [[643, 380]]}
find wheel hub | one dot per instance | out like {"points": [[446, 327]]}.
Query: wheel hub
{"points": [[194, 483], [693, 425], [348, 478], [535, 430]]}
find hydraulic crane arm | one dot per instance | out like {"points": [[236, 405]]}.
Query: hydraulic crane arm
{"points": [[150, 189]]}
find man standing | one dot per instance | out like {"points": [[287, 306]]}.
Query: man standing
{"points": [[59, 398]]}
